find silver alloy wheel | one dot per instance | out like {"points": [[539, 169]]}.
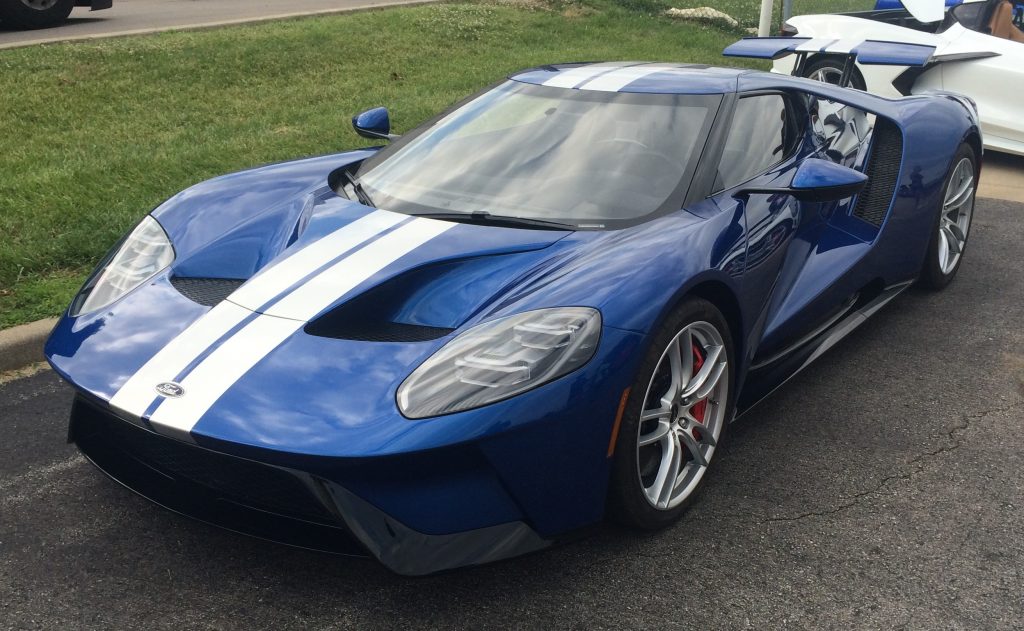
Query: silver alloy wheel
{"points": [[827, 74], [39, 5], [955, 219], [683, 415]]}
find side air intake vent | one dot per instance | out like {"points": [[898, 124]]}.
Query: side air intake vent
{"points": [[339, 325], [206, 291], [883, 172], [377, 315]]}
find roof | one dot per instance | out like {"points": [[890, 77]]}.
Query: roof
{"points": [[634, 76]]}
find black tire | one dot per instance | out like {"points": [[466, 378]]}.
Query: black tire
{"points": [[31, 15], [834, 65], [627, 500], [932, 276]]}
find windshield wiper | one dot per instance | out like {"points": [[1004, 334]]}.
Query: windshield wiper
{"points": [[484, 217], [364, 198]]}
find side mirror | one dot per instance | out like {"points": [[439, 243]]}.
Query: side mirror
{"points": [[817, 181], [373, 123]]}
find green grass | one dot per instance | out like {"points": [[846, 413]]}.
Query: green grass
{"points": [[96, 134]]}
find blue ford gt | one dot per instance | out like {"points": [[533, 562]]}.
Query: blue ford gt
{"points": [[541, 307]]}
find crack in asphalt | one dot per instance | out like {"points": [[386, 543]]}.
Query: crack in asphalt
{"points": [[856, 498]]}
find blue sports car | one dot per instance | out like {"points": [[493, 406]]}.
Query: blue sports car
{"points": [[538, 309]]}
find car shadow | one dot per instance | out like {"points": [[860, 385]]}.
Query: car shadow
{"points": [[70, 23]]}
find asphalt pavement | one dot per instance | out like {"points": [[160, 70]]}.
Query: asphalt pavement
{"points": [[1002, 177], [881, 488], [128, 17]]}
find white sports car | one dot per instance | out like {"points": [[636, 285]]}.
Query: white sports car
{"points": [[979, 52]]}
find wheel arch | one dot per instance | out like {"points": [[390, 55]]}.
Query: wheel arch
{"points": [[720, 294], [974, 140], [725, 300]]}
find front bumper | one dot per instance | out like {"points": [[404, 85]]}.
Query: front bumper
{"points": [[277, 503]]}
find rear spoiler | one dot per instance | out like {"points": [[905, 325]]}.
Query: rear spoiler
{"points": [[868, 52], [864, 51]]}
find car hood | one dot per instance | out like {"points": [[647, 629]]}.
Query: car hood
{"points": [[406, 270]]}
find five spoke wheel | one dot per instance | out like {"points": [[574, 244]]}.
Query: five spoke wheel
{"points": [[955, 219], [949, 232], [683, 414], [827, 74], [39, 5], [828, 69]]}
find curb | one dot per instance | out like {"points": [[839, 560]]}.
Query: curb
{"points": [[22, 345], [199, 26]]}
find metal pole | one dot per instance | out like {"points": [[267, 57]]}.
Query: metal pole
{"points": [[765, 25], [787, 10]]}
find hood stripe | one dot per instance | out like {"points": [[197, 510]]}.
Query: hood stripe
{"points": [[138, 393], [275, 279], [230, 361], [620, 78]]}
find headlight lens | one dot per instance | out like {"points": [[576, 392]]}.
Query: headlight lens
{"points": [[500, 359], [144, 252]]}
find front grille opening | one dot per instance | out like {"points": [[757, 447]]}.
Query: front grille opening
{"points": [[237, 480], [206, 291], [883, 172]]}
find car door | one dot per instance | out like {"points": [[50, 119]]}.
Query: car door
{"points": [[762, 146], [798, 253]]}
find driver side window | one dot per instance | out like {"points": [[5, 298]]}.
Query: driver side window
{"points": [[761, 136]]}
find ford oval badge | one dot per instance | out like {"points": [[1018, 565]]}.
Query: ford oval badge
{"points": [[170, 389]]}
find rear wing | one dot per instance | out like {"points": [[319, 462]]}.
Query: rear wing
{"points": [[868, 52]]}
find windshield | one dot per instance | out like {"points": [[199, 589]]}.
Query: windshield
{"points": [[585, 158]]}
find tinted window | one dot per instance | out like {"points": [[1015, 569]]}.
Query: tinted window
{"points": [[758, 140], [575, 156]]}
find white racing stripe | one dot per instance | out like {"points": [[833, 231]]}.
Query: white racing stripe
{"points": [[618, 79], [218, 372], [271, 281], [575, 76], [240, 353], [139, 392], [334, 282]]}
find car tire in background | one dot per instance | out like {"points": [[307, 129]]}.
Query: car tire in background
{"points": [[30, 14], [665, 417], [830, 70], [953, 220]]}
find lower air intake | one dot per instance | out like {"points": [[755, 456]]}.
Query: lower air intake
{"points": [[230, 479], [883, 173]]}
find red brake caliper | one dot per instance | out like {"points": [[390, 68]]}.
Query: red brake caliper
{"points": [[699, 408]]}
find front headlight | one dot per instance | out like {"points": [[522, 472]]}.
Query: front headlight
{"points": [[143, 253], [500, 359]]}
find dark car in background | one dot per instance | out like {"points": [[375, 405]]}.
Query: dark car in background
{"points": [[42, 13]]}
